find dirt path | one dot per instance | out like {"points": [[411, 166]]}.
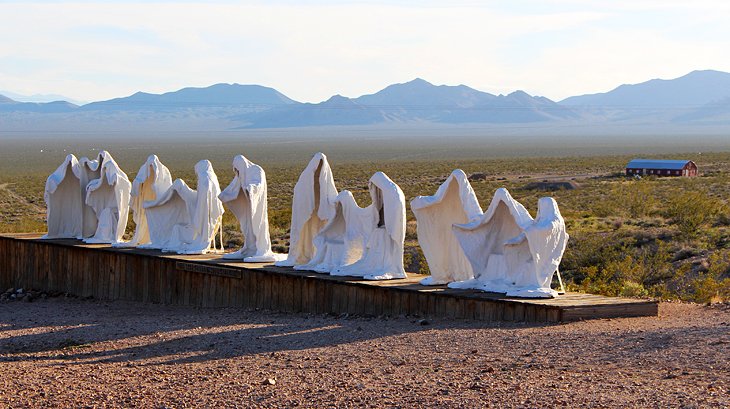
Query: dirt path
{"points": [[34, 208], [73, 353]]}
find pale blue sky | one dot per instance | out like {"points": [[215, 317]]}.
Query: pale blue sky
{"points": [[310, 50]]}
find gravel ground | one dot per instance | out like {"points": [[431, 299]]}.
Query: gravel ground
{"points": [[64, 352]]}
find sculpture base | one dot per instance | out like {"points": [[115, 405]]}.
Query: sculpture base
{"points": [[104, 272]]}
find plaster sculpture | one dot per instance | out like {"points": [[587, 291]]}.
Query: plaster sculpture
{"points": [[511, 253], [90, 169], [312, 207], [64, 201], [108, 196], [187, 219], [342, 241], [151, 182], [245, 196], [383, 255], [453, 203]]}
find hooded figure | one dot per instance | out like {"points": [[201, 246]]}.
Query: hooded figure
{"points": [[454, 203], [546, 240], [509, 251], [342, 241], [312, 207], [90, 170], [108, 196], [192, 217], [383, 256], [64, 201], [246, 198], [152, 181]]}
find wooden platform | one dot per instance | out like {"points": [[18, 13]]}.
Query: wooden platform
{"points": [[100, 271]]}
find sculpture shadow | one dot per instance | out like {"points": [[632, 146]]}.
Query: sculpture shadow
{"points": [[175, 334]]}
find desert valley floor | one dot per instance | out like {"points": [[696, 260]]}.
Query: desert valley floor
{"points": [[70, 352]]}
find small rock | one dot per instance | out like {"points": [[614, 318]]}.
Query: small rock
{"points": [[475, 177], [269, 381], [28, 298], [424, 322], [19, 291], [10, 290]]}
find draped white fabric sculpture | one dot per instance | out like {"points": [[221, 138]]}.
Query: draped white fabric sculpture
{"points": [[90, 169], [187, 218], [312, 207], [246, 198], [108, 196], [342, 241], [383, 256], [509, 251], [454, 203], [151, 182], [64, 201]]}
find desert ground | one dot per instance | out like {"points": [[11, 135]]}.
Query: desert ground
{"points": [[69, 352]]}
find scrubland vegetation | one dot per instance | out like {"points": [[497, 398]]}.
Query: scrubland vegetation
{"points": [[658, 237]]}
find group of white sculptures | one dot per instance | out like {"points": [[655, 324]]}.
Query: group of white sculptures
{"points": [[501, 250]]}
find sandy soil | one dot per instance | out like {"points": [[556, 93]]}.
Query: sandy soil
{"points": [[62, 352]]}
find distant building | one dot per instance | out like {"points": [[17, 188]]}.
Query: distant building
{"points": [[661, 167]]}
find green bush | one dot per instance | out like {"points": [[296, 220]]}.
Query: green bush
{"points": [[692, 210]]}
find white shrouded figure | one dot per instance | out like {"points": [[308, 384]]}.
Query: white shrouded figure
{"points": [[546, 239], [90, 169], [64, 201], [188, 219], [342, 241], [151, 182], [509, 251], [108, 196], [453, 203], [383, 255], [245, 196], [312, 207]]}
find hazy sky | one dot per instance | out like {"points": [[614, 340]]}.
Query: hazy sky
{"points": [[310, 50]]}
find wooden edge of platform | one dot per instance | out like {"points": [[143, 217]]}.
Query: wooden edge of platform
{"points": [[568, 307]]}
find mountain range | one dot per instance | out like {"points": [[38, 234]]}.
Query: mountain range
{"points": [[698, 98]]}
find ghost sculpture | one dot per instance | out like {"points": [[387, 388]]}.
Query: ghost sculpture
{"points": [[312, 207], [454, 203], [90, 169], [511, 253], [151, 182], [187, 220], [108, 196], [246, 198], [383, 255], [64, 201], [342, 240]]}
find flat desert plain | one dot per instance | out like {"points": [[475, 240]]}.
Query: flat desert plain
{"points": [[69, 352]]}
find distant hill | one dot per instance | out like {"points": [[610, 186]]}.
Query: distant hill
{"points": [[39, 98], [10, 105], [218, 95], [337, 110], [417, 101], [689, 91], [422, 94], [698, 100], [717, 112]]}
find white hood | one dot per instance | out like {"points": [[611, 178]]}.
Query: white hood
{"points": [[453, 203], [64, 200], [108, 196], [312, 207], [246, 197], [152, 181]]}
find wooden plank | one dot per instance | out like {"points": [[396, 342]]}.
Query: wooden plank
{"points": [[147, 275]]}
